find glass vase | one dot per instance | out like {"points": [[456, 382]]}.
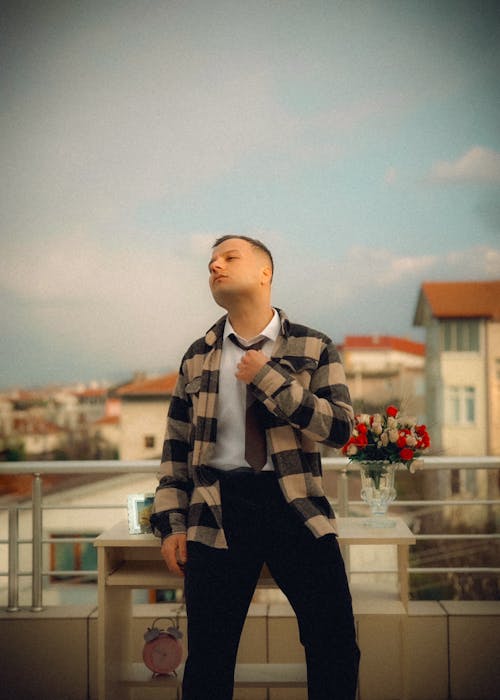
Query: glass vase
{"points": [[377, 490]]}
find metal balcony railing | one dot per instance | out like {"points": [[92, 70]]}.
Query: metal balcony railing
{"points": [[343, 504]]}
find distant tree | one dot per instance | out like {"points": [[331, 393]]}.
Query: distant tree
{"points": [[14, 452]]}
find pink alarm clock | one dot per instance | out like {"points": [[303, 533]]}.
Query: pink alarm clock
{"points": [[162, 651]]}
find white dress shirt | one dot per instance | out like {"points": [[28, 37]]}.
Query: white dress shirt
{"points": [[231, 404]]}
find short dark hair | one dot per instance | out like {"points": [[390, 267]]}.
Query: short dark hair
{"points": [[253, 242]]}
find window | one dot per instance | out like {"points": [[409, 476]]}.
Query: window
{"points": [[470, 404], [149, 441], [454, 404], [461, 405], [74, 557], [460, 336]]}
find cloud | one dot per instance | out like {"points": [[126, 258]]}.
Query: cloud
{"points": [[371, 290], [107, 307], [477, 165], [385, 268], [77, 308]]}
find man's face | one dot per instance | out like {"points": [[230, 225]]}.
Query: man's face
{"points": [[236, 268]]}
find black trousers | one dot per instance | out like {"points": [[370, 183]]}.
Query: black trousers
{"points": [[261, 527]]}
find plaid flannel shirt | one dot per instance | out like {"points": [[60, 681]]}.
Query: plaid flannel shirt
{"points": [[307, 402]]}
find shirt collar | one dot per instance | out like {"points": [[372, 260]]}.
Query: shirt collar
{"points": [[214, 335], [271, 331]]}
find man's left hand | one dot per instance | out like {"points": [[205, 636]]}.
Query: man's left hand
{"points": [[251, 362]]}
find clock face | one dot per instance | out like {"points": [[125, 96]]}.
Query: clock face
{"points": [[163, 654]]}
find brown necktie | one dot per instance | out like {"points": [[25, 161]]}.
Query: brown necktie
{"points": [[255, 434]]}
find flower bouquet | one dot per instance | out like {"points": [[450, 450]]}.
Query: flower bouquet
{"points": [[381, 442]]}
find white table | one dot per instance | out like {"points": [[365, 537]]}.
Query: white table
{"points": [[127, 562]]}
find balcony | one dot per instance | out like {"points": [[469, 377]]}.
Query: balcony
{"points": [[442, 647]]}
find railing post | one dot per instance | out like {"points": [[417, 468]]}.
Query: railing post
{"points": [[13, 599], [36, 595]]}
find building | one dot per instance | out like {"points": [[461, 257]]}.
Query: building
{"points": [[382, 370], [106, 437], [26, 431], [144, 406], [41, 438], [462, 323]]}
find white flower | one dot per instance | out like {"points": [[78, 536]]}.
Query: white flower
{"points": [[384, 439], [364, 418], [393, 435], [352, 450], [392, 422], [417, 464], [377, 428]]}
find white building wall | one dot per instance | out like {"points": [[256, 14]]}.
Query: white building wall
{"points": [[381, 359]]}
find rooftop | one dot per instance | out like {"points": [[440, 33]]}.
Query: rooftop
{"points": [[35, 425], [383, 342], [108, 420], [158, 386], [480, 299]]}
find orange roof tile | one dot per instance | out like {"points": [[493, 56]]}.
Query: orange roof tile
{"points": [[29, 425], [108, 420], [159, 386], [383, 342], [463, 299]]}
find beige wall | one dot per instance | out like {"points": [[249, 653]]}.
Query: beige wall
{"points": [[478, 369], [465, 369], [141, 418], [433, 393], [493, 354]]}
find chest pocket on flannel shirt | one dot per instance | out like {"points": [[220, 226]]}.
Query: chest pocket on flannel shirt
{"points": [[301, 367]]}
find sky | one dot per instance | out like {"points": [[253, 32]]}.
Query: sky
{"points": [[359, 140]]}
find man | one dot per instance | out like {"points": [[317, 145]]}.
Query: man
{"points": [[219, 517]]}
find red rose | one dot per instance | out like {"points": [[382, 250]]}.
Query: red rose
{"points": [[401, 441], [406, 454], [349, 442], [392, 411], [361, 440], [361, 428]]}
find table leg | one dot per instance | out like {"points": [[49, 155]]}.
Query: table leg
{"points": [[113, 643]]}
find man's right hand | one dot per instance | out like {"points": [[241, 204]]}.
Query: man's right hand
{"points": [[174, 552]]}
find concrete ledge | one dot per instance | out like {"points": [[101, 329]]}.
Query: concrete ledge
{"points": [[474, 644], [61, 645], [45, 654], [425, 635]]}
